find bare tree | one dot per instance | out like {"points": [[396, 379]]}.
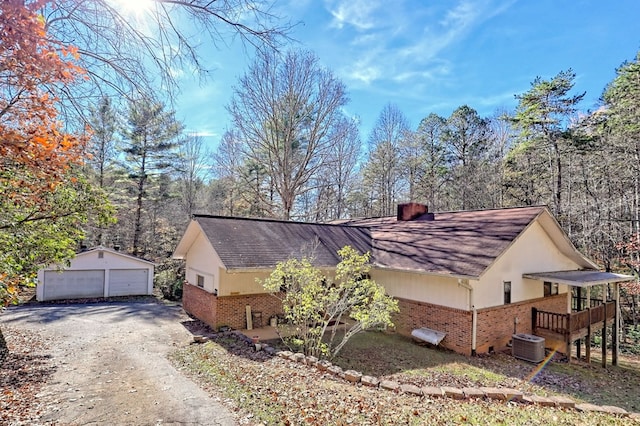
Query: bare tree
{"points": [[285, 110], [134, 54], [501, 138], [242, 186], [382, 171], [328, 199], [192, 171]]}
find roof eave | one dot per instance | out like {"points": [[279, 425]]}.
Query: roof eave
{"points": [[117, 253], [588, 263], [423, 272], [187, 240]]}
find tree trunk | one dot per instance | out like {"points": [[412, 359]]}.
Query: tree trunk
{"points": [[137, 231], [4, 350]]}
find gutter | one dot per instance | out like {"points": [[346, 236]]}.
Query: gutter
{"points": [[422, 272], [464, 283]]}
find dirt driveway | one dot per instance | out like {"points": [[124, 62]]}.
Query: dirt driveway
{"points": [[111, 366]]}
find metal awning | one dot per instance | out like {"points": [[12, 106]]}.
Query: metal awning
{"points": [[579, 278]]}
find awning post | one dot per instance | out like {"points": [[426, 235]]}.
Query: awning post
{"points": [[616, 324]]}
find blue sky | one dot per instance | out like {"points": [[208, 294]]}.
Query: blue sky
{"points": [[434, 56]]}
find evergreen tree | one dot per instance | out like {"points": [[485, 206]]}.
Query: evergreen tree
{"points": [[150, 141], [543, 118]]}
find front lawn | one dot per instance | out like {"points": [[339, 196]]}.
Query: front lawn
{"points": [[272, 391], [398, 357]]}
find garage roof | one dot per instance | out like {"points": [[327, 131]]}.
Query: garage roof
{"points": [[112, 251]]}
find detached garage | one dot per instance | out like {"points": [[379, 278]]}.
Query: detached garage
{"points": [[98, 272]]}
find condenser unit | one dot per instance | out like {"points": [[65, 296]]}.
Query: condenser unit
{"points": [[528, 347]]}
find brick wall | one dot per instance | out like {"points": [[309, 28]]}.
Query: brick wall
{"points": [[227, 310], [232, 309], [199, 303], [455, 322], [496, 325], [494, 328]]}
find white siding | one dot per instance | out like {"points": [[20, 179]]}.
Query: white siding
{"points": [[203, 260], [236, 283], [533, 252], [105, 261], [423, 288]]}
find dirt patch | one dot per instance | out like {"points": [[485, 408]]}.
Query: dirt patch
{"points": [[100, 363]]}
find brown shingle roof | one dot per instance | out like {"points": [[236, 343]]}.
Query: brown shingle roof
{"points": [[461, 243], [262, 243]]}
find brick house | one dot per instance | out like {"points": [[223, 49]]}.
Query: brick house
{"points": [[474, 275]]}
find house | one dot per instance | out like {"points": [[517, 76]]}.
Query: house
{"points": [[97, 272], [226, 256], [475, 275]]}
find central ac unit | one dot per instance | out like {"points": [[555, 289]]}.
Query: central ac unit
{"points": [[528, 347]]}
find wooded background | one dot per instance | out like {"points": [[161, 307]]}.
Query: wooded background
{"points": [[100, 158]]}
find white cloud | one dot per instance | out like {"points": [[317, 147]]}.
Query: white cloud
{"points": [[357, 13], [495, 100], [365, 74], [204, 133], [461, 16], [406, 42]]}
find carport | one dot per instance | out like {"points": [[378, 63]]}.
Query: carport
{"points": [[98, 272]]}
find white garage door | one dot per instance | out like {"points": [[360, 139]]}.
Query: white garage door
{"points": [[127, 282], [73, 284]]}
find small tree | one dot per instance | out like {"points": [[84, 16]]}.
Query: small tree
{"points": [[314, 303]]}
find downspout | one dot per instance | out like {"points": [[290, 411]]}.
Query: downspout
{"points": [[474, 313]]}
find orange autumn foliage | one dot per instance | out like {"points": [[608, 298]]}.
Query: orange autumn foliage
{"points": [[35, 152]]}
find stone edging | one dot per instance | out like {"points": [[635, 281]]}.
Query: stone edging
{"points": [[499, 394]]}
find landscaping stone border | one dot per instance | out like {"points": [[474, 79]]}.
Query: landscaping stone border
{"points": [[492, 393], [466, 393]]}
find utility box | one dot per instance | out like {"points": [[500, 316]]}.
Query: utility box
{"points": [[528, 347]]}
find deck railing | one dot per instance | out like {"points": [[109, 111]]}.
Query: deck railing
{"points": [[582, 302], [567, 324]]}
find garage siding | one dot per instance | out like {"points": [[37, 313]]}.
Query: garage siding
{"points": [[96, 273], [128, 282], [73, 284]]}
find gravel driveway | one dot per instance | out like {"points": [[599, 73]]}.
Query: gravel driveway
{"points": [[111, 366]]}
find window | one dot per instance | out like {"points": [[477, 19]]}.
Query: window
{"points": [[101, 255], [200, 280], [550, 289], [507, 292]]}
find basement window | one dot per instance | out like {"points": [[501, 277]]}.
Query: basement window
{"points": [[550, 289], [200, 280], [507, 292]]}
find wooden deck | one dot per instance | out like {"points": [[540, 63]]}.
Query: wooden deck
{"points": [[573, 326], [564, 329]]}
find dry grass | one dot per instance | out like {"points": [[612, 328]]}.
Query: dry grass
{"points": [[273, 391], [398, 357]]}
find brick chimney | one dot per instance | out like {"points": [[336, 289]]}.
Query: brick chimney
{"points": [[411, 211]]}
